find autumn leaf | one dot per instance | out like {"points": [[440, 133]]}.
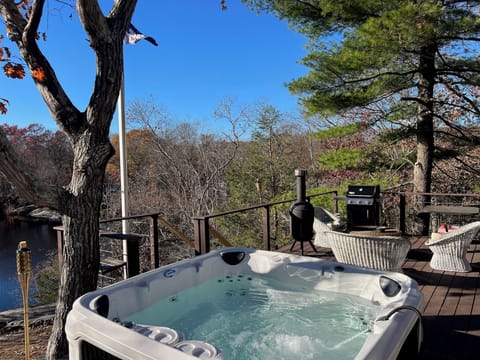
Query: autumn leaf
{"points": [[38, 74], [8, 69], [19, 71]]}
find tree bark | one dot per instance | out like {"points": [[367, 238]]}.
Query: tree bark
{"points": [[422, 174], [81, 255], [87, 131]]}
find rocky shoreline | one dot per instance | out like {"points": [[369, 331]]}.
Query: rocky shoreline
{"points": [[12, 320], [33, 213]]}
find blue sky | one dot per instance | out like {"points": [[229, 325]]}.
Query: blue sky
{"points": [[204, 56]]}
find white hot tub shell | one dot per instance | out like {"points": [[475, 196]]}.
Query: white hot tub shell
{"points": [[92, 332]]}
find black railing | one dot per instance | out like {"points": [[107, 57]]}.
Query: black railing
{"points": [[203, 230], [202, 223], [409, 208]]}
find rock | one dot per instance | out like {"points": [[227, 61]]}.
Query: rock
{"points": [[23, 210], [45, 213], [35, 213], [12, 320]]}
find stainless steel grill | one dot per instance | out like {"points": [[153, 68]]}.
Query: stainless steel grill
{"points": [[363, 205]]}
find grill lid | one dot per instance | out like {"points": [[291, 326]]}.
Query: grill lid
{"points": [[363, 190]]}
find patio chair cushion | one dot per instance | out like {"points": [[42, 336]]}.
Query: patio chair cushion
{"points": [[386, 253], [435, 237], [450, 249]]}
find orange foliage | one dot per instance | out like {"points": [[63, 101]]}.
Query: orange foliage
{"points": [[38, 74], [14, 71]]}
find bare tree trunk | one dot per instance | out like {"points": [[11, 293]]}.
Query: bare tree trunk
{"points": [[88, 133], [81, 252], [80, 257], [422, 175]]}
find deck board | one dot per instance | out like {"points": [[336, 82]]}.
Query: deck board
{"points": [[452, 301]]}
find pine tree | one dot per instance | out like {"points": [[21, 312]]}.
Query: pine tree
{"points": [[418, 59]]}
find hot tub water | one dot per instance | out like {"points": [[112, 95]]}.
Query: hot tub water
{"points": [[255, 317], [250, 304]]}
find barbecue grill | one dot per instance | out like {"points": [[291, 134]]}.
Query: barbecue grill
{"points": [[363, 205]]}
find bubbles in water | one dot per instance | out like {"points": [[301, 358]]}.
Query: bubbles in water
{"points": [[250, 317]]}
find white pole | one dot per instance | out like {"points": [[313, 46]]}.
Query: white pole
{"points": [[123, 168]]}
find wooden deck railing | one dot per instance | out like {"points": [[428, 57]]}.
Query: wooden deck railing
{"points": [[203, 230], [202, 223]]}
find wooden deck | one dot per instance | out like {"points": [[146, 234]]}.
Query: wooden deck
{"points": [[452, 301]]}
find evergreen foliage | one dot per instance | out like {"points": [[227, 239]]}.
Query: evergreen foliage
{"points": [[374, 55], [366, 51]]}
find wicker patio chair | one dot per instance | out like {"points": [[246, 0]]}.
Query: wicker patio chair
{"points": [[450, 249], [323, 221], [386, 253]]}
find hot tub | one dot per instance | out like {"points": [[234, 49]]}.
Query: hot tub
{"points": [[239, 303]]}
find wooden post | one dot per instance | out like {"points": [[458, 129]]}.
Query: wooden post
{"points": [[133, 244], [202, 235], [133, 256]]}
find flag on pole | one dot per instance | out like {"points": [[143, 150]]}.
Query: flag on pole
{"points": [[133, 36]]}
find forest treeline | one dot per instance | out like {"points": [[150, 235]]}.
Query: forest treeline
{"points": [[176, 170]]}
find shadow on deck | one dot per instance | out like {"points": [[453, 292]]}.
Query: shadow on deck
{"points": [[452, 301]]}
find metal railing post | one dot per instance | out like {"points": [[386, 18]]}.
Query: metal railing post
{"points": [[154, 259], [196, 235], [133, 256], [335, 202], [266, 227], [205, 238], [403, 210]]}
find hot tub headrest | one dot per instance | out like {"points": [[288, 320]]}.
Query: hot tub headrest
{"points": [[233, 257], [101, 305], [389, 286]]}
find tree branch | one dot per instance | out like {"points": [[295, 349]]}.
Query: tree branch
{"points": [[31, 29], [106, 38], [472, 102], [24, 35]]}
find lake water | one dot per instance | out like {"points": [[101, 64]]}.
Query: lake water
{"points": [[41, 238]]}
